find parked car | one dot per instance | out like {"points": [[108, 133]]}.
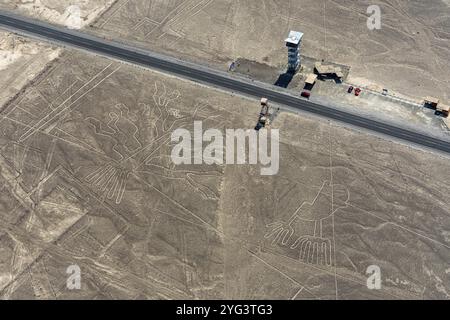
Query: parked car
{"points": [[357, 91], [350, 89], [306, 94]]}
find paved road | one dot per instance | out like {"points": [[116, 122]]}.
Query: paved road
{"points": [[208, 76]]}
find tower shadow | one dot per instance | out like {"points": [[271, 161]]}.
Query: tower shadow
{"points": [[284, 79]]}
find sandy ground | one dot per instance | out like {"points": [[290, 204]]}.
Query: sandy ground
{"points": [[392, 108], [388, 109], [70, 13], [21, 61], [86, 176], [408, 55], [87, 179]]}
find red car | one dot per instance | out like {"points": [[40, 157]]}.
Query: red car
{"points": [[357, 91], [306, 94]]}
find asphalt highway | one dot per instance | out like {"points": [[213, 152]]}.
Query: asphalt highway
{"points": [[208, 76]]}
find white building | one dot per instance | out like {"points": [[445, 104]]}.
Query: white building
{"points": [[293, 43]]}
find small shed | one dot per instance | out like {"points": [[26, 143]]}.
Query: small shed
{"points": [[431, 102], [311, 79], [328, 71]]}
